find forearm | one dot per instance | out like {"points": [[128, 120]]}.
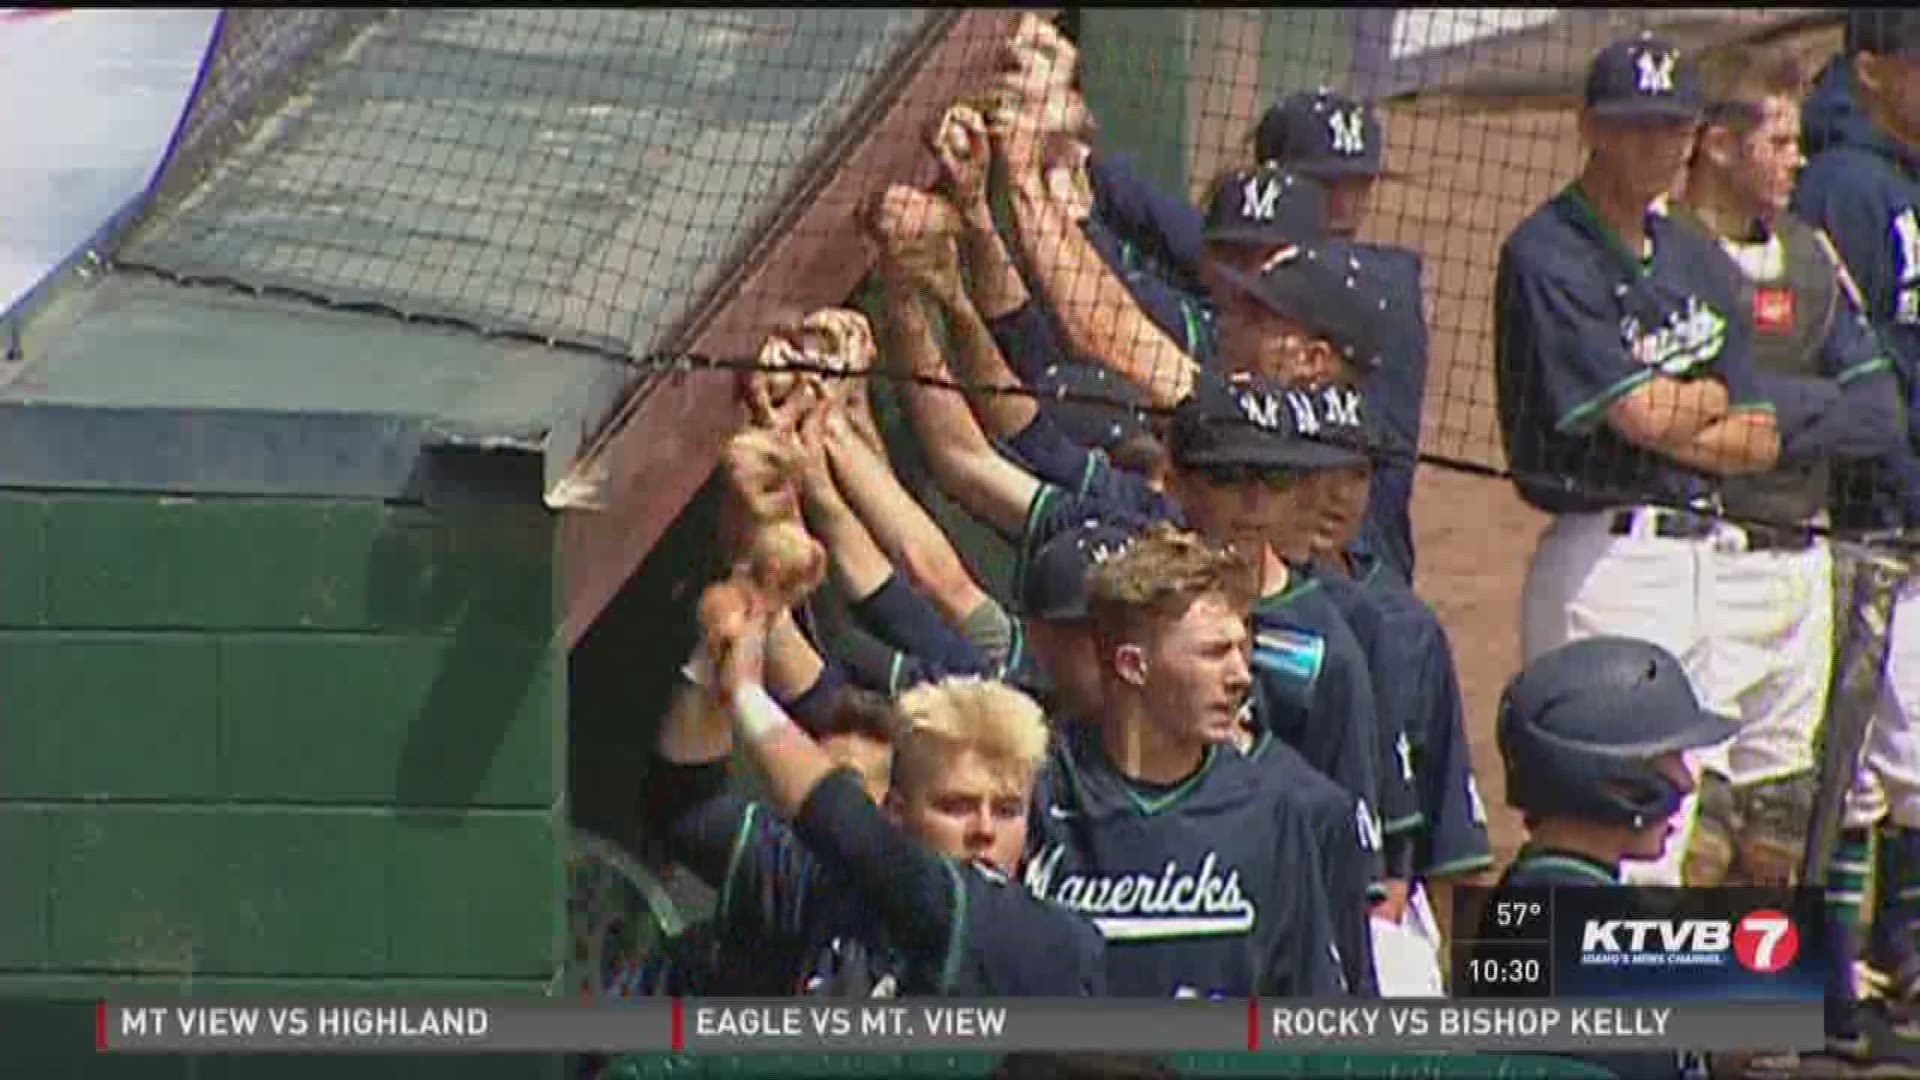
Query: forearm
{"points": [[859, 566], [1741, 444], [793, 665], [912, 540], [1096, 311], [693, 732], [994, 280], [981, 366]]}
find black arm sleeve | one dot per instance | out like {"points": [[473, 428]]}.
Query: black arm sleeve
{"points": [[692, 807], [916, 892]]}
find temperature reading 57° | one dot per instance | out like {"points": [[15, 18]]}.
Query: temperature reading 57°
{"points": [[1518, 915]]}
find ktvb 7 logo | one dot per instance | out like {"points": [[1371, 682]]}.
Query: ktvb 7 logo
{"points": [[1764, 942]]}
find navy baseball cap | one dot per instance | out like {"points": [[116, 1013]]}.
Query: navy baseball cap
{"points": [[1322, 134], [1055, 589], [1349, 422], [1242, 422], [1267, 205], [1333, 288], [1091, 405], [1883, 31], [1645, 78]]}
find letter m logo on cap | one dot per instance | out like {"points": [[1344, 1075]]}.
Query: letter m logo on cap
{"points": [[1655, 72], [1262, 409], [1259, 198], [1348, 132]]}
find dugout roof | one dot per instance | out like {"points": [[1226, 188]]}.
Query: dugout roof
{"points": [[394, 231]]}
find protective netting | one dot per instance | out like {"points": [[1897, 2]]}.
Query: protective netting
{"points": [[590, 176], [581, 175]]}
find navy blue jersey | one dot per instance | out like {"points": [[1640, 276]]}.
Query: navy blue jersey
{"points": [[1396, 703], [1862, 187], [1312, 689], [1349, 853], [1210, 888], [1311, 684], [1397, 391], [1153, 242], [1453, 838], [844, 905], [1580, 322]]}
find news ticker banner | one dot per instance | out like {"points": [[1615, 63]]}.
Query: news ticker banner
{"points": [[1721, 945], [809, 1026]]}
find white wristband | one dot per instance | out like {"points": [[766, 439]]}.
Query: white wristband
{"points": [[755, 714]]}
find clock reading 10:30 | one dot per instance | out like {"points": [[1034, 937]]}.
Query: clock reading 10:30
{"points": [[1507, 969]]}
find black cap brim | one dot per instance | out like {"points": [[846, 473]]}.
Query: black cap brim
{"points": [[1643, 111], [1294, 456], [1253, 237], [1330, 171]]}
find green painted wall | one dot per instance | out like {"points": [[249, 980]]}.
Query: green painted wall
{"points": [[277, 747], [1133, 70]]}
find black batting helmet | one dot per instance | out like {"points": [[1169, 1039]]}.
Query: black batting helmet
{"points": [[1580, 728]]}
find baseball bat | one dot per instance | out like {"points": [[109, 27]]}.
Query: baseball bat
{"points": [[1869, 582]]}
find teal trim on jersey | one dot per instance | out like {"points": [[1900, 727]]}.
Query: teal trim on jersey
{"points": [[1400, 825], [1129, 257], [1571, 865], [957, 934], [1096, 460], [1297, 587], [1642, 265], [1470, 864], [1192, 320], [1151, 805], [723, 908], [896, 666], [1043, 499], [1863, 369], [1582, 417]]}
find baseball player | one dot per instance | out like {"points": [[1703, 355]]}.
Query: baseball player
{"points": [[1340, 142], [1862, 132], [1592, 736], [848, 892], [1056, 606], [1624, 380], [1774, 595], [1193, 860], [1312, 684], [1408, 643]]}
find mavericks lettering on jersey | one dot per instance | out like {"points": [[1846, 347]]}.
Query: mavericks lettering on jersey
{"points": [[1178, 903]]}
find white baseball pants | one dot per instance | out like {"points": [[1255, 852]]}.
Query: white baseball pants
{"points": [[1584, 581], [1888, 783]]}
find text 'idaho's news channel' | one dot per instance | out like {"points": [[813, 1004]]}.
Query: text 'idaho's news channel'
{"points": [[801, 1026]]}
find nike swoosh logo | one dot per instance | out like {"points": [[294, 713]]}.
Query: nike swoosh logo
{"points": [[1061, 813]]}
